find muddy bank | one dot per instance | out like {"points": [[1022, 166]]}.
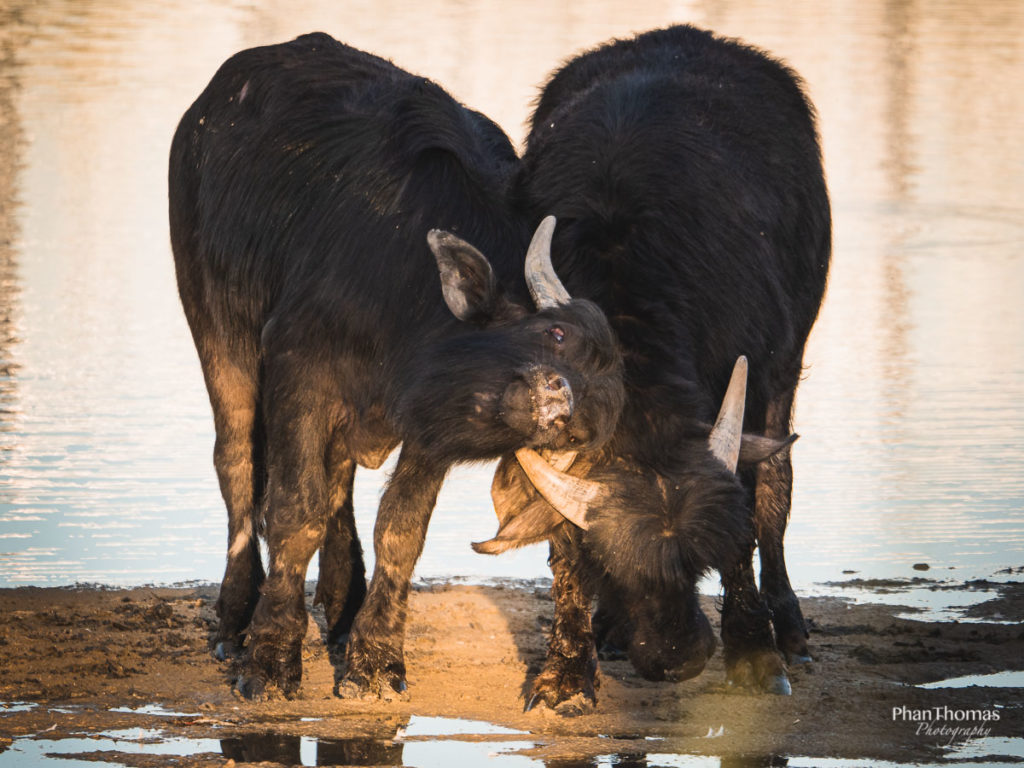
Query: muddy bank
{"points": [[135, 664]]}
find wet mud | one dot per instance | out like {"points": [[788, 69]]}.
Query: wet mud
{"points": [[125, 677]]}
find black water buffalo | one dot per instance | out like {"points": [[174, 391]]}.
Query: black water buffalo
{"points": [[686, 176], [308, 183]]}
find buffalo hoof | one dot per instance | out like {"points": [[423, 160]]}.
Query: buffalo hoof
{"points": [[379, 687], [251, 687], [779, 686], [567, 686], [256, 686], [793, 645], [269, 669], [226, 650], [790, 631], [761, 671], [577, 705], [608, 651], [371, 671]]}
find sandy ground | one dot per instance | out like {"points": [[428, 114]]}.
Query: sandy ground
{"points": [[73, 655]]}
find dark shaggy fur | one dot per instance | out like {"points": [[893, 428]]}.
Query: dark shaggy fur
{"points": [[303, 183], [686, 176]]}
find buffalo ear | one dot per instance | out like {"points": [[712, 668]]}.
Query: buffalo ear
{"points": [[467, 281], [523, 516], [757, 448], [535, 523]]}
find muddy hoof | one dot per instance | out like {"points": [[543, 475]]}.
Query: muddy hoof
{"points": [[791, 632], [226, 650], [371, 670], [574, 706], [610, 652], [760, 671], [383, 687], [251, 687], [779, 686], [566, 686]]}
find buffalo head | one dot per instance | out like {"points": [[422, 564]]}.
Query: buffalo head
{"points": [[646, 535], [508, 375]]}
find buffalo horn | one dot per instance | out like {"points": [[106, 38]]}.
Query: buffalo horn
{"points": [[545, 287], [727, 434], [571, 496]]}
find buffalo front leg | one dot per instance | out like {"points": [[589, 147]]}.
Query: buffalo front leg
{"points": [[751, 660], [773, 494], [374, 657], [341, 587], [568, 682]]}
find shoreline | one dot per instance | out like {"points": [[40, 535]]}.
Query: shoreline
{"points": [[88, 660]]}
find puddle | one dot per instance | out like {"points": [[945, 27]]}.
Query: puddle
{"points": [[453, 726], [931, 599], [304, 750], [156, 710], [285, 750], [428, 742], [977, 749], [776, 761], [290, 750], [10, 707], [1007, 679], [135, 741]]}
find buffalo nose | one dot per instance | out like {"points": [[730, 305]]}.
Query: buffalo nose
{"points": [[557, 383], [553, 400]]}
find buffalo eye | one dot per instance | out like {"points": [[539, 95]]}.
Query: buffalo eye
{"points": [[556, 333]]}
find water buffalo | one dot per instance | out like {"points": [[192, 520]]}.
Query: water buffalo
{"points": [[686, 176], [322, 206]]}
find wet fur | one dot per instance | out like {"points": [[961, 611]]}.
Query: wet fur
{"points": [[686, 175], [303, 182]]}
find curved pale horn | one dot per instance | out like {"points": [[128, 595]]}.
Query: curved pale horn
{"points": [[727, 434], [545, 287], [571, 496]]}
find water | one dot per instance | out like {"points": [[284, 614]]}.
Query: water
{"points": [[1008, 679], [913, 433], [309, 751], [429, 742]]}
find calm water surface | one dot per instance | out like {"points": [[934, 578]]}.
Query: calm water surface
{"points": [[913, 431]]}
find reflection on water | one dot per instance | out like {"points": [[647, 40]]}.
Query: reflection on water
{"points": [[913, 434], [439, 743], [285, 750]]}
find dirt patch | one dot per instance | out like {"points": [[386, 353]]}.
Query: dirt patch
{"points": [[73, 657]]}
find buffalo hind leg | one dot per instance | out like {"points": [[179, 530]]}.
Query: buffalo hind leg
{"points": [[374, 656], [751, 659], [341, 587], [296, 519], [237, 457], [774, 489], [568, 682]]}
